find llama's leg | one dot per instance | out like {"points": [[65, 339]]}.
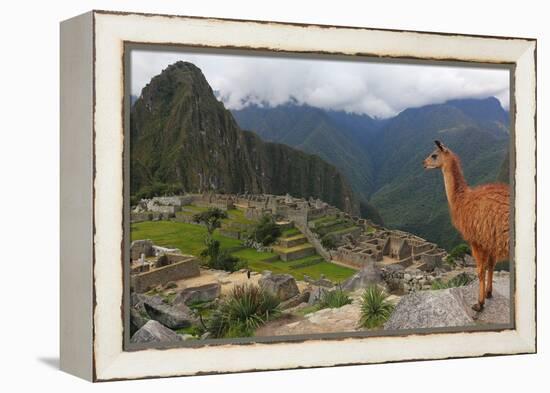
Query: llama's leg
{"points": [[490, 269], [481, 264]]}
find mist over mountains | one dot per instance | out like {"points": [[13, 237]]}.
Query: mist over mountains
{"points": [[183, 139], [383, 158]]}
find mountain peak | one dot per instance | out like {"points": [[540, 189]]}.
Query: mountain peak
{"points": [[481, 109]]}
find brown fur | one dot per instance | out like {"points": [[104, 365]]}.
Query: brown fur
{"points": [[481, 215]]}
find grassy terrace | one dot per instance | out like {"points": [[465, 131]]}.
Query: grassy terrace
{"points": [[189, 238]]}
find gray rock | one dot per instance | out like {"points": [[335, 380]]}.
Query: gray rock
{"points": [[137, 320], [138, 301], [316, 295], [429, 309], [295, 300], [496, 309], [281, 285], [139, 247], [154, 332], [174, 317], [451, 307], [203, 293], [369, 275], [468, 260], [323, 282]]}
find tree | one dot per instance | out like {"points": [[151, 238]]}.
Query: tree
{"points": [[266, 232], [216, 258], [328, 242], [210, 218], [460, 251]]}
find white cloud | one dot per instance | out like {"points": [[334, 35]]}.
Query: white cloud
{"points": [[378, 89]]}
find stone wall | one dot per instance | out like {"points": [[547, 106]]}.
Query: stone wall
{"points": [[408, 281], [142, 282], [313, 239]]}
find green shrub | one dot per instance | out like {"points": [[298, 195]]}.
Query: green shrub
{"points": [[459, 280], [328, 242], [266, 231], [375, 308], [245, 309], [460, 251], [216, 258], [211, 218], [334, 299]]}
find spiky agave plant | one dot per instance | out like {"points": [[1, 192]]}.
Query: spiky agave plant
{"points": [[334, 299], [375, 308], [245, 309]]}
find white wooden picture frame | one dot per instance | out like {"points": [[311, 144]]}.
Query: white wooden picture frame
{"points": [[92, 194]]}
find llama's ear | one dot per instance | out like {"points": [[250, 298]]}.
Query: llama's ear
{"points": [[440, 146]]}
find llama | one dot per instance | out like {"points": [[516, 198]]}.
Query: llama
{"points": [[481, 215]]}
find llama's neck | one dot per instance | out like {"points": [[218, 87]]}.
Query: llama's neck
{"points": [[455, 184]]}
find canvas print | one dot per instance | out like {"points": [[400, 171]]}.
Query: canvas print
{"points": [[278, 196]]}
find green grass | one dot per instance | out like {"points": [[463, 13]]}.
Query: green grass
{"points": [[333, 272], [236, 215], [290, 232], [307, 310], [251, 255], [195, 209], [189, 238]]}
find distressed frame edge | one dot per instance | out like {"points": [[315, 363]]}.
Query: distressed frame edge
{"points": [[528, 339], [76, 196]]}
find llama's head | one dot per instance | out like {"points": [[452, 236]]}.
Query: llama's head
{"points": [[438, 157]]}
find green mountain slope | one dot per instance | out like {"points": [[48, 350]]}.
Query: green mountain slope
{"points": [[413, 199], [339, 138], [183, 139], [383, 158]]}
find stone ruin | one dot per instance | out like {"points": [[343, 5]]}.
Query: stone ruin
{"points": [[151, 265], [390, 247]]}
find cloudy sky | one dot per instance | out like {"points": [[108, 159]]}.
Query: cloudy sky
{"points": [[377, 89]]}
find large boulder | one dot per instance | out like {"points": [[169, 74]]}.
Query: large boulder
{"points": [[429, 309], [316, 294], [367, 276], [138, 300], [281, 285], [139, 247], [154, 332], [452, 307], [137, 320], [203, 293], [295, 300], [174, 317], [496, 309]]}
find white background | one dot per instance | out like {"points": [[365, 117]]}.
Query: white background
{"points": [[29, 196]]}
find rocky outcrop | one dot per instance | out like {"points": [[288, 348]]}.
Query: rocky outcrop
{"points": [[136, 320], [203, 293], [451, 307], [316, 294], [281, 285], [295, 300], [174, 317], [367, 276], [154, 332]]}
